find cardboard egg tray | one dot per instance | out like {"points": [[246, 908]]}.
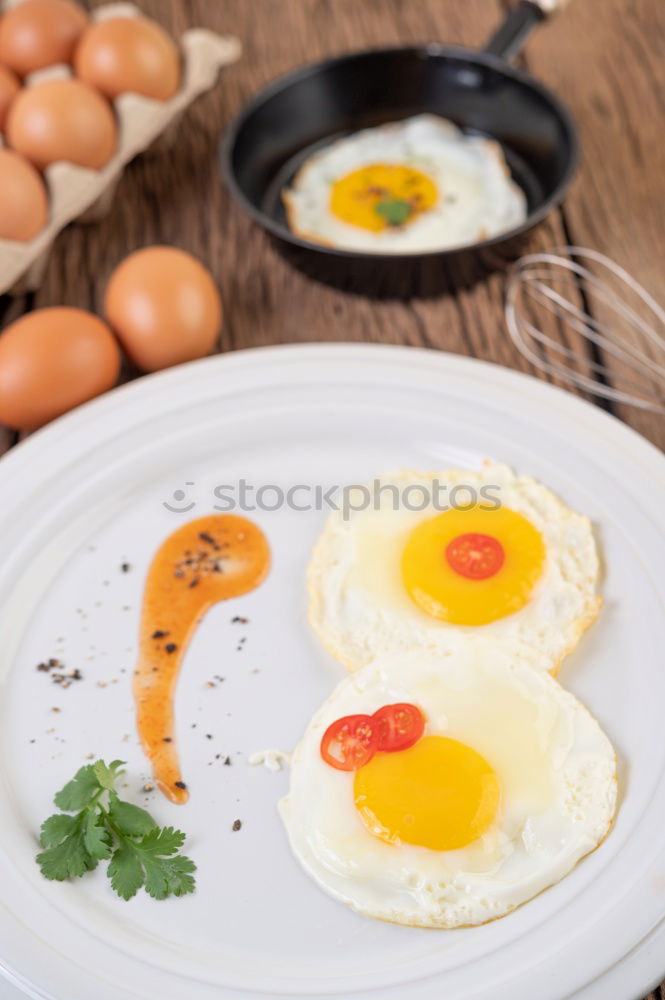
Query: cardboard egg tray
{"points": [[87, 195]]}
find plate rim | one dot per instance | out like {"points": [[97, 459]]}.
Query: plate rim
{"points": [[152, 383]]}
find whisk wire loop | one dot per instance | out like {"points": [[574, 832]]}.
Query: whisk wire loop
{"points": [[538, 279]]}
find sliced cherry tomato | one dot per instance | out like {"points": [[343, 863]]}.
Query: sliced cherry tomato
{"points": [[475, 556], [350, 742], [398, 726]]}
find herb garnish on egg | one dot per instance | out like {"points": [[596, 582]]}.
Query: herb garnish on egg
{"points": [[395, 211]]}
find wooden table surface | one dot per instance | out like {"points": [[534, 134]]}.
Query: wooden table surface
{"points": [[604, 58]]}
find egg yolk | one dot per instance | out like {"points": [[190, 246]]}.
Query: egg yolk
{"points": [[471, 567], [439, 794], [379, 195]]}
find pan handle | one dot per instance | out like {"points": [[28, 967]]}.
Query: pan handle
{"points": [[508, 40]]}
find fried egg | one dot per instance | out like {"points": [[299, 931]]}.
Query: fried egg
{"points": [[510, 785], [406, 187], [514, 564]]}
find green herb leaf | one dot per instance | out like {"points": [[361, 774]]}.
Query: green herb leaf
{"points": [[125, 871], [105, 827], [164, 841], [80, 791], [156, 881], [129, 819], [96, 837], [395, 211], [164, 874], [169, 876], [70, 858], [106, 775], [56, 828]]}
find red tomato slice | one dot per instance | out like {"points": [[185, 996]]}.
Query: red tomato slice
{"points": [[475, 556], [398, 726], [349, 742]]}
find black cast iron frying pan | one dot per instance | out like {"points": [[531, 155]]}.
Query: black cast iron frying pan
{"points": [[480, 91]]}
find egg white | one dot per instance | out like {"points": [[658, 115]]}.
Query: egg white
{"points": [[359, 607], [477, 197], [556, 769]]}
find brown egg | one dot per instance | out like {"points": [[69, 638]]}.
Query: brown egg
{"points": [[129, 54], [62, 120], [23, 198], [164, 307], [51, 361], [9, 88], [39, 33]]}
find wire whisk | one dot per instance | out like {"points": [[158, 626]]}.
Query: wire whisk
{"points": [[637, 340]]}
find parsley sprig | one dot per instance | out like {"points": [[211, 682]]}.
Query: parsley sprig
{"points": [[105, 828], [395, 211]]}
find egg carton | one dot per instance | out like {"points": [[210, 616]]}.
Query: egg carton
{"points": [[87, 195]]}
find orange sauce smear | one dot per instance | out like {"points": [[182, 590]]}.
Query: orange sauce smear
{"points": [[205, 561]]}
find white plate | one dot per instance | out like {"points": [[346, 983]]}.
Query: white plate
{"points": [[88, 493]]}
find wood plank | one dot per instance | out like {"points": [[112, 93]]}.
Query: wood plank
{"points": [[608, 67], [6, 440]]}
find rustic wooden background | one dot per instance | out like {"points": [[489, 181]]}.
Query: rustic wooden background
{"points": [[603, 57]]}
